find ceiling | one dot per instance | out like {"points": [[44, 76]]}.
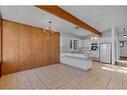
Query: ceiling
{"points": [[99, 17], [33, 16]]}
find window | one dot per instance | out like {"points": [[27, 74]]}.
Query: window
{"points": [[75, 44], [70, 47]]}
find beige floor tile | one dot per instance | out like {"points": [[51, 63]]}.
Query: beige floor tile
{"points": [[59, 76]]}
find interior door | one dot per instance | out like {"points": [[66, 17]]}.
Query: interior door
{"points": [[105, 52]]}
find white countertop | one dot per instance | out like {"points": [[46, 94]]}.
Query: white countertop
{"points": [[77, 55]]}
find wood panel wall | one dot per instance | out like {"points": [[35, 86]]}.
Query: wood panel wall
{"points": [[0, 46], [26, 47]]}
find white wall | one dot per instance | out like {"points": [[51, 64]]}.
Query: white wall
{"points": [[113, 39], [117, 46]]}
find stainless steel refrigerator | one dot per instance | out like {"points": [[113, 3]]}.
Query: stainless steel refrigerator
{"points": [[105, 52]]}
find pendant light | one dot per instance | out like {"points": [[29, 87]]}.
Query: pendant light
{"points": [[124, 35]]}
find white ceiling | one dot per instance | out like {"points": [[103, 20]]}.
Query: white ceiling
{"points": [[99, 17], [31, 15]]}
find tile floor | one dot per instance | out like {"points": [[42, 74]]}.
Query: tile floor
{"points": [[59, 76]]}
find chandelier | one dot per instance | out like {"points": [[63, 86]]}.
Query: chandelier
{"points": [[50, 29]]}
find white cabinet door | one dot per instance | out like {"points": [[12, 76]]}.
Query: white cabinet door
{"points": [[79, 43]]}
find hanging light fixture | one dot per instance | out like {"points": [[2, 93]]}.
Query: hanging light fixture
{"points": [[93, 37], [124, 35], [49, 29]]}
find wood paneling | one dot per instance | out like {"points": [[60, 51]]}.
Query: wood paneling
{"points": [[55, 10], [26, 47], [0, 46]]}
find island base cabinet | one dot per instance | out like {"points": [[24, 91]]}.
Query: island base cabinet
{"points": [[81, 63]]}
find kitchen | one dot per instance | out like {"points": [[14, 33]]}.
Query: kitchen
{"points": [[80, 52]]}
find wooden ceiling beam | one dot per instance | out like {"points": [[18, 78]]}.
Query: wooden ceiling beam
{"points": [[61, 13]]}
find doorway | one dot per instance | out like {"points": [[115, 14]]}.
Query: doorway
{"points": [[123, 50]]}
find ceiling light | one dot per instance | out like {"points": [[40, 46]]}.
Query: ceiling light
{"points": [[124, 35], [76, 27], [49, 29], [94, 37]]}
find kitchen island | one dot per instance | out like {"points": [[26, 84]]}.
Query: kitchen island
{"points": [[78, 60]]}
